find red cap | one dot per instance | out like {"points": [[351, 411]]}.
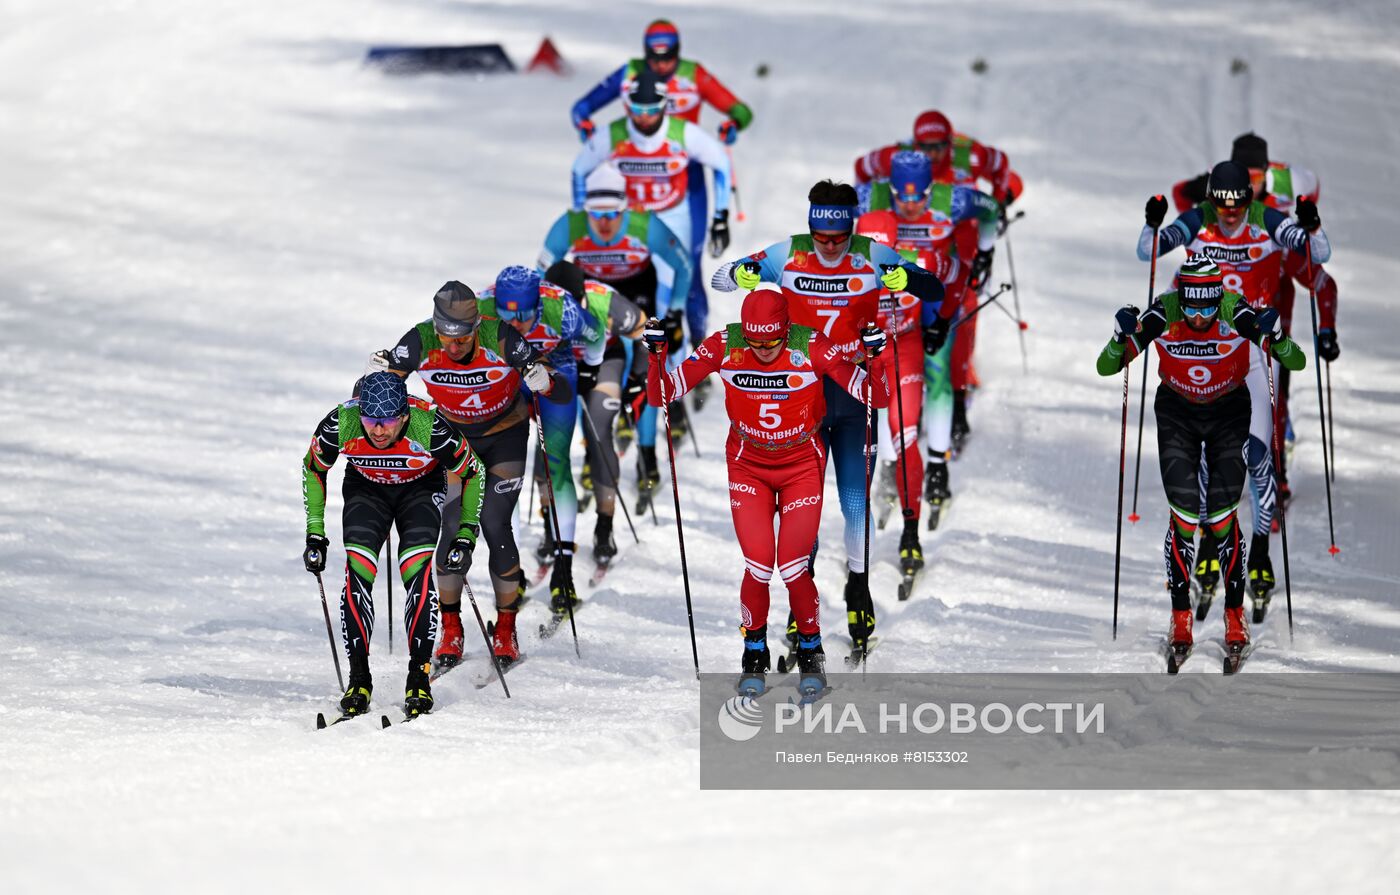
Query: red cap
{"points": [[765, 314], [932, 127]]}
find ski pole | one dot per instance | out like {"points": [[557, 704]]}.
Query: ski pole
{"points": [[393, 566], [553, 517], [1278, 457], [495, 660], [865, 513], [326, 611], [615, 470], [1133, 517], [975, 311], [1321, 411], [734, 186], [676, 498], [1331, 422], [899, 407], [1122, 466], [1015, 291]]}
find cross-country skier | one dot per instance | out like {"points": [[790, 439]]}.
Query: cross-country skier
{"points": [[1277, 184], [772, 372], [476, 371], [637, 254], [688, 86], [397, 455], [610, 321], [1200, 330], [955, 159], [832, 280], [653, 151], [913, 214], [1246, 239], [553, 322]]}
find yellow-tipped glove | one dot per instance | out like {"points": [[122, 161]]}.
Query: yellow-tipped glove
{"points": [[746, 275], [895, 278]]}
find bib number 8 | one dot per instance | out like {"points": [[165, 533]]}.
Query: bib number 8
{"points": [[1234, 282], [1199, 375]]}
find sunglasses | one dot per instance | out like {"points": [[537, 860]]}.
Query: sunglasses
{"points": [[830, 239], [605, 215], [379, 421], [647, 108], [932, 147], [763, 344], [1198, 312], [510, 316]]}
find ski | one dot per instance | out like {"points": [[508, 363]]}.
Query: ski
{"points": [[1176, 656], [907, 581], [556, 619], [1261, 606], [322, 723], [858, 654], [600, 571], [643, 501], [481, 682], [1235, 654], [441, 668], [540, 574], [938, 511], [810, 689], [753, 684], [1202, 597], [884, 509]]}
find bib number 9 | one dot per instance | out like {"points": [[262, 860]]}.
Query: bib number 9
{"points": [[1199, 375]]}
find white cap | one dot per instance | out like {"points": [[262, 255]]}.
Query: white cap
{"points": [[605, 189]]}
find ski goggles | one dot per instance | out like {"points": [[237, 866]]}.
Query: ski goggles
{"points": [[936, 146], [1199, 311], [830, 240], [511, 316], [379, 421], [763, 344], [655, 108], [605, 215]]}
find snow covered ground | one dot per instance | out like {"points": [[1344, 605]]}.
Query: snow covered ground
{"points": [[212, 213]]}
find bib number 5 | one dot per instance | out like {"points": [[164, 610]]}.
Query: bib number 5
{"points": [[768, 416]]}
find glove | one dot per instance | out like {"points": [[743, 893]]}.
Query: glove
{"points": [[729, 132], [746, 275], [537, 378], [895, 278], [1195, 188], [587, 378], [719, 234], [378, 362], [459, 557], [981, 268], [1270, 325], [1125, 323], [656, 337], [872, 339], [634, 393], [935, 334], [674, 326], [1327, 347], [1156, 211], [1307, 215], [585, 130], [314, 556]]}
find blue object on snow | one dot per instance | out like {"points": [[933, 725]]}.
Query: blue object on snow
{"points": [[479, 59]]}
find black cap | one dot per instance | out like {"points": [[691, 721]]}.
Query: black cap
{"points": [[1250, 150], [567, 276], [648, 89], [1229, 186], [454, 310]]}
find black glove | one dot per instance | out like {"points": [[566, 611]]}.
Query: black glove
{"points": [[872, 339], [719, 234], [1270, 325], [1307, 215], [655, 337], [314, 556], [634, 395], [935, 334], [587, 378], [1327, 347], [981, 268], [1195, 188], [459, 557], [1156, 211], [1125, 323], [674, 325]]}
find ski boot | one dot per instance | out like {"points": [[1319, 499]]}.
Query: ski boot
{"points": [[449, 651], [561, 584], [961, 430], [356, 698], [811, 665], [624, 433], [585, 486], [911, 558], [936, 490], [1236, 639], [1207, 576], [754, 664], [418, 693], [604, 547], [1261, 575], [680, 421], [886, 496], [860, 616], [503, 643], [648, 477], [546, 548], [1179, 643]]}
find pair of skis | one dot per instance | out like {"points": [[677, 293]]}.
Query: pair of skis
{"points": [[1235, 656]]}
